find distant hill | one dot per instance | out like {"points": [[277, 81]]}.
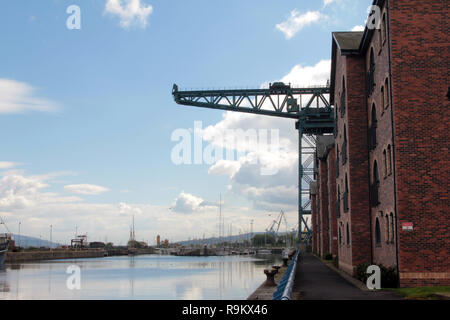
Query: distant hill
{"points": [[26, 242], [209, 241]]}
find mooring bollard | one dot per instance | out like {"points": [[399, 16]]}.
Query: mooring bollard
{"points": [[270, 281]]}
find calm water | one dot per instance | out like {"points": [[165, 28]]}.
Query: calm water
{"points": [[140, 277]]}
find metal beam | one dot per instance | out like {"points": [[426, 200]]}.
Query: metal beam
{"points": [[283, 101]]}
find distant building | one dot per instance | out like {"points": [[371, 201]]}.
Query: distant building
{"points": [[158, 240]]}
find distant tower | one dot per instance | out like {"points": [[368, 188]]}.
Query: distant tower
{"points": [[158, 240]]}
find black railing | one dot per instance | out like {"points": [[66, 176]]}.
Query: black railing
{"points": [[343, 103], [345, 201], [374, 201], [373, 136], [344, 152], [370, 80]]}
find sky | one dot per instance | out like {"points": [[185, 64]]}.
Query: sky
{"points": [[88, 121]]}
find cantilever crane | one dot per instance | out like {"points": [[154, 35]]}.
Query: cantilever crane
{"points": [[279, 100]]}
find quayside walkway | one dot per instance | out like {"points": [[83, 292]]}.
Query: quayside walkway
{"points": [[316, 281]]}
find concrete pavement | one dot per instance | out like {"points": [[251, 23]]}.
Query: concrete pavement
{"points": [[316, 281]]}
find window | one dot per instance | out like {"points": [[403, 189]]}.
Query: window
{"points": [[376, 177], [371, 74], [337, 161], [392, 227], [389, 160], [348, 235], [346, 195], [386, 92], [340, 235], [385, 163], [344, 147], [373, 128], [377, 232], [343, 97], [382, 96], [338, 203], [388, 229], [374, 115], [383, 29], [374, 186]]}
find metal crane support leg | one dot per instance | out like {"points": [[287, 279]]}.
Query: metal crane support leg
{"points": [[300, 183]]}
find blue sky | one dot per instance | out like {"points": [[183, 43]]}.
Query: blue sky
{"points": [[101, 112]]}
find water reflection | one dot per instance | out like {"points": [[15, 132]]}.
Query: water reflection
{"points": [[138, 277]]}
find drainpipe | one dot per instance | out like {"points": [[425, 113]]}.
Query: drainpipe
{"points": [[394, 167]]}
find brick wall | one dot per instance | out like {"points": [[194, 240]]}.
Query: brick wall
{"points": [[356, 167], [332, 195], [384, 246], [323, 210], [419, 38]]}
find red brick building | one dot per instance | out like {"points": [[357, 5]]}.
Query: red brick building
{"points": [[390, 149]]}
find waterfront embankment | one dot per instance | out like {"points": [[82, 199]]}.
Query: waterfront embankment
{"points": [[28, 256]]}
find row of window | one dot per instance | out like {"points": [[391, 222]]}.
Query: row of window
{"points": [[389, 233], [384, 102]]}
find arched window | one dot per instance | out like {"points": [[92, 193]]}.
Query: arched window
{"points": [[348, 235], [346, 195], [383, 29], [373, 128], [389, 159], [386, 92], [388, 228], [372, 60], [385, 163], [377, 232], [344, 146], [374, 186], [343, 97], [338, 202], [374, 115], [376, 177], [336, 164], [382, 96], [392, 228], [340, 235], [371, 73]]}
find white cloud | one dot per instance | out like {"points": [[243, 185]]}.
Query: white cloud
{"points": [[188, 203], [130, 12], [266, 192], [305, 76], [327, 2], [86, 189], [18, 191], [25, 199], [358, 28], [17, 97], [298, 21], [129, 209], [7, 165]]}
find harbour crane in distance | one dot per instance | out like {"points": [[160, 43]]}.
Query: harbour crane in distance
{"points": [[276, 224]]}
